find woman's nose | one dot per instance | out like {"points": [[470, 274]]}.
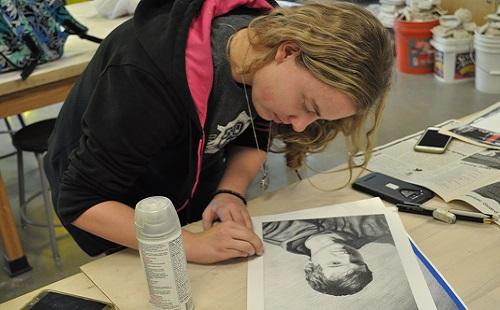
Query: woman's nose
{"points": [[300, 123]]}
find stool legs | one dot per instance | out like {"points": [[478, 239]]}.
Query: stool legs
{"points": [[48, 209], [23, 201], [22, 193]]}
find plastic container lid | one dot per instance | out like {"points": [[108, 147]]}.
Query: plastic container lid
{"points": [[156, 217]]}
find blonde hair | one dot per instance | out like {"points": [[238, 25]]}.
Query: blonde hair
{"points": [[342, 45]]}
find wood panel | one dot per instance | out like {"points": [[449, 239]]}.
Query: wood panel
{"points": [[8, 232], [479, 8], [36, 97]]}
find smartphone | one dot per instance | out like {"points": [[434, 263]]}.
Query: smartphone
{"points": [[432, 141], [49, 299], [391, 189]]}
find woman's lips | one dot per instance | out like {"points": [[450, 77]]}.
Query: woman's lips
{"points": [[281, 120], [278, 119]]}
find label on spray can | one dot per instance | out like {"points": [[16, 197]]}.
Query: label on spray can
{"points": [[159, 258]]}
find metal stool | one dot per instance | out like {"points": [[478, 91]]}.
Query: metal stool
{"points": [[11, 132], [34, 138]]}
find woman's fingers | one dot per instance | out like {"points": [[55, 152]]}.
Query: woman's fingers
{"points": [[241, 216], [236, 214], [239, 237], [226, 208], [245, 239], [223, 241], [207, 218]]}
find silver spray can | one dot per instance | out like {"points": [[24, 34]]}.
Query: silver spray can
{"points": [[162, 252]]}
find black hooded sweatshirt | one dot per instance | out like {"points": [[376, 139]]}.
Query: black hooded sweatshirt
{"points": [[131, 127]]}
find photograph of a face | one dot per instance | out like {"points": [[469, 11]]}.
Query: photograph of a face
{"points": [[336, 262]]}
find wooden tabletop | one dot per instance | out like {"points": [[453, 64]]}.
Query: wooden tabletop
{"points": [[466, 253]]}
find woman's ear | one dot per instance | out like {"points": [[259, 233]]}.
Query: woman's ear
{"points": [[285, 50]]}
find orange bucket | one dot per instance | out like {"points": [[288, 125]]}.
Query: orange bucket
{"points": [[414, 52]]}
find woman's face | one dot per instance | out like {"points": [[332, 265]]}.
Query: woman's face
{"points": [[287, 93]]}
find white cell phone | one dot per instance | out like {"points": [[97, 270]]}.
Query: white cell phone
{"points": [[432, 141]]}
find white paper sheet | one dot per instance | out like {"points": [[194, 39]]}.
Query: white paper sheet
{"points": [[276, 280]]}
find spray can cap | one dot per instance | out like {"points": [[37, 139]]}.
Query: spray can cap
{"points": [[156, 217]]}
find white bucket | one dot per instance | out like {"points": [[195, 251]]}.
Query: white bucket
{"points": [[453, 59], [487, 63]]}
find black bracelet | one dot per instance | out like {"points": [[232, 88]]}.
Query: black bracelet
{"points": [[228, 191]]}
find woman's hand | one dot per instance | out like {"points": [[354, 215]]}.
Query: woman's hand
{"points": [[221, 242], [226, 207]]}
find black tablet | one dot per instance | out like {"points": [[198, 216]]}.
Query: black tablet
{"points": [[48, 300]]}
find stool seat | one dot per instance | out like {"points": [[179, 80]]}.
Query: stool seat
{"points": [[34, 137]]}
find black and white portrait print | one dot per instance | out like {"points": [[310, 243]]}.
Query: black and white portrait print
{"points": [[333, 263]]}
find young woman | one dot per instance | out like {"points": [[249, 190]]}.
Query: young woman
{"points": [[181, 101]]}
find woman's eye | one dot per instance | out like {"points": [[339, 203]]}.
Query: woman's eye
{"points": [[308, 110]]}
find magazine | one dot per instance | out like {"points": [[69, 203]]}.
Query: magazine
{"points": [[465, 172], [481, 128]]}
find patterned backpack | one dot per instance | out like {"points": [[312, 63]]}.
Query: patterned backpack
{"points": [[34, 32]]}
